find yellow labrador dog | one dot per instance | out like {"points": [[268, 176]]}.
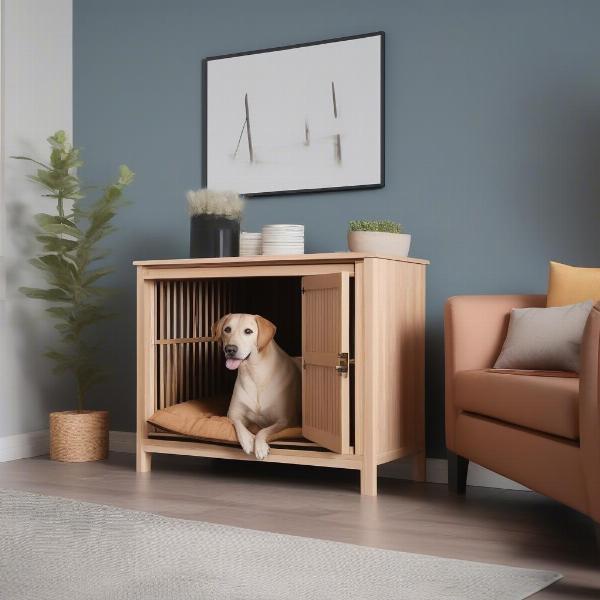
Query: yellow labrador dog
{"points": [[268, 385]]}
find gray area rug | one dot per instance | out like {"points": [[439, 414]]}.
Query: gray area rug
{"points": [[53, 548]]}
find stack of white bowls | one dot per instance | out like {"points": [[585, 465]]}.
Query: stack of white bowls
{"points": [[250, 244], [283, 239]]}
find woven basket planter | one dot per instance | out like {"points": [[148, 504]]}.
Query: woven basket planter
{"points": [[79, 436]]}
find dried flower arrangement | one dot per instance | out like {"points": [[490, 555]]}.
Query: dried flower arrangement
{"points": [[211, 202]]}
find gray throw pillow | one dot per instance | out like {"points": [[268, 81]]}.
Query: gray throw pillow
{"points": [[547, 339]]}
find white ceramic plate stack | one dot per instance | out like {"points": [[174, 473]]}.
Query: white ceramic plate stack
{"points": [[283, 239], [250, 244]]}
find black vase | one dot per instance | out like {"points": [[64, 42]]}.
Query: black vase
{"points": [[212, 236]]}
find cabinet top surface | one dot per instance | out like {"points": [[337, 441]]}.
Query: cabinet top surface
{"points": [[324, 257]]}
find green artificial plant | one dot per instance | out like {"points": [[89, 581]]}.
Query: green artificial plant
{"points": [[69, 240], [385, 226]]}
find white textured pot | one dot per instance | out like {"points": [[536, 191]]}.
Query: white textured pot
{"points": [[381, 242]]}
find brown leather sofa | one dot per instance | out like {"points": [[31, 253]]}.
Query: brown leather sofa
{"points": [[542, 431]]}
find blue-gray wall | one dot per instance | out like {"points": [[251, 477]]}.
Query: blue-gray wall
{"points": [[492, 127]]}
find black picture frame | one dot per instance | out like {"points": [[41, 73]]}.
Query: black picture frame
{"points": [[208, 59]]}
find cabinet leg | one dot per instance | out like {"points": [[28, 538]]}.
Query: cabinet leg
{"points": [[368, 479], [457, 473], [143, 461], [419, 468]]}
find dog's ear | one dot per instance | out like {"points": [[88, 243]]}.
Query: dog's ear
{"points": [[217, 328], [266, 332]]}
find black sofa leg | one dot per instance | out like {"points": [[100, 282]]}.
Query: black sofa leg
{"points": [[457, 473], [597, 529]]}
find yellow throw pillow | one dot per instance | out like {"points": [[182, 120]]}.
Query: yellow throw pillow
{"points": [[571, 285]]}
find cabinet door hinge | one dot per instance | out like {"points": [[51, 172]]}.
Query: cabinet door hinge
{"points": [[342, 363]]}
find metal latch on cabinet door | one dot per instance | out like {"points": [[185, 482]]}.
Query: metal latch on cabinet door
{"points": [[343, 362]]}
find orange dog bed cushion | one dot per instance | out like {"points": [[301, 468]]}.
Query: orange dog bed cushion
{"points": [[205, 419]]}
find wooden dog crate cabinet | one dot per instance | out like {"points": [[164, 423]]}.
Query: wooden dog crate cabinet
{"points": [[356, 320]]}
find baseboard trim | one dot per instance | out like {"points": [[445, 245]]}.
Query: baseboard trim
{"points": [[437, 468], [437, 472], [35, 443], [121, 441], [24, 445]]}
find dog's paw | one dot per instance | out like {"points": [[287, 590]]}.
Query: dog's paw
{"points": [[261, 449], [247, 443]]}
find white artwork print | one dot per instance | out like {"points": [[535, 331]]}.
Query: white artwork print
{"points": [[303, 118]]}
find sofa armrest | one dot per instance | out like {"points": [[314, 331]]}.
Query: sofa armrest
{"points": [[474, 331], [589, 409]]}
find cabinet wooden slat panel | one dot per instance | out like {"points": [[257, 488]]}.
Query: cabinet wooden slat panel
{"points": [[188, 360], [325, 335]]}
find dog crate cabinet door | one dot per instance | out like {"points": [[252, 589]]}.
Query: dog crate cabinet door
{"points": [[325, 346]]}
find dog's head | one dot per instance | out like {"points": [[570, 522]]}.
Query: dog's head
{"points": [[241, 335]]}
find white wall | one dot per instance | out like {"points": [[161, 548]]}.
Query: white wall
{"points": [[38, 100]]}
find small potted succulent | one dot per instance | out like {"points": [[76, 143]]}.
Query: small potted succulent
{"points": [[385, 237], [69, 240], [215, 223]]}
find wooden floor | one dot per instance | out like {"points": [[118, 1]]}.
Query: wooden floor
{"points": [[497, 526]]}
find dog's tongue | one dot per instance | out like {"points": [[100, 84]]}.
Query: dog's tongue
{"points": [[233, 363]]}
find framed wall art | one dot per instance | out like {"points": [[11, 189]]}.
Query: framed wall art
{"points": [[302, 118]]}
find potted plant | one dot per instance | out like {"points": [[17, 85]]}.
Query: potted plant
{"points": [[215, 223], [384, 237], [69, 240]]}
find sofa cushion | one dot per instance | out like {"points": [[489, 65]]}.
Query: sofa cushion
{"points": [[570, 285], [538, 402], [544, 338]]}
